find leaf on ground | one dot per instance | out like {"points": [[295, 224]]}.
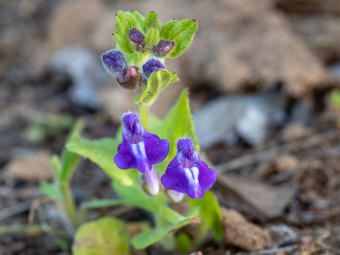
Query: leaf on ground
{"points": [[106, 236]]}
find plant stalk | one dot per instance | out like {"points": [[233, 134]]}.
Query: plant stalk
{"points": [[144, 115], [69, 205]]}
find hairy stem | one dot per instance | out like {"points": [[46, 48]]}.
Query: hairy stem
{"points": [[144, 115]]}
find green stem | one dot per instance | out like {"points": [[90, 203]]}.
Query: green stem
{"points": [[34, 230], [144, 115], [69, 204]]}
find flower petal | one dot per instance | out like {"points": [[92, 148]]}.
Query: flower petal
{"points": [[207, 176], [175, 179], [156, 149], [124, 159]]}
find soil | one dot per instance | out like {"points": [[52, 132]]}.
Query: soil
{"points": [[305, 157]]}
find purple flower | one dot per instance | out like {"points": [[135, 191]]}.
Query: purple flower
{"points": [[115, 64], [163, 47], [140, 149], [138, 38], [152, 65], [186, 173]]}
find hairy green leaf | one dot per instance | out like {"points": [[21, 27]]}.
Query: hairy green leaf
{"points": [[102, 152], [151, 20], [152, 37], [106, 236], [182, 33], [166, 29], [158, 81], [125, 21]]}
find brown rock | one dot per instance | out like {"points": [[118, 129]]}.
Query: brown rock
{"points": [[239, 232], [32, 168], [295, 131], [258, 200]]}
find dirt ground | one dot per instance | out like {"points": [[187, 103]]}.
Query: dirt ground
{"points": [[280, 195]]}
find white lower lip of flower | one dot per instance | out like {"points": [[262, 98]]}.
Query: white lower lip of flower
{"points": [[192, 177], [176, 196], [152, 181]]}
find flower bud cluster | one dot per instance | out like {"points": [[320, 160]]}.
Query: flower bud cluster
{"points": [[131, 76]]}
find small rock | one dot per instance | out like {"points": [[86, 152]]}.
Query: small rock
{"points": [[282, 234], [295, 131], [276, 166], [241, 233], [85, 71], [32, 168], [248, 117], [260, 200]]}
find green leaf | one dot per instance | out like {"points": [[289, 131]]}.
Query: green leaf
{"points": [[182, 33], [152, 37], [151, 236], [158, 81], [183, 243], [69, 160], [135, 196], [210, 214], [102, 152], [125, 21], [139, 19], [177, 124], [55, 165], [106, 236], [101, 203], [335, 98], [49, 190], [166, 29], [151, 20]]}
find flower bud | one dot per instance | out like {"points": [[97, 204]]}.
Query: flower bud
{"points": [[163, 48], [131, 79], [114, 62], [138, 38], [152, 65]]}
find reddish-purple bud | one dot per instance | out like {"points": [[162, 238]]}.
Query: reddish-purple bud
{"points": [[163, 48], [133, 78], [138, 38]]}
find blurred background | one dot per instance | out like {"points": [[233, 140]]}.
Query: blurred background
{"points": [[262, 77]]}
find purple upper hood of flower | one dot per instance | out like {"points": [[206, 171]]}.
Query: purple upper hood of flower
{"points": [[139, 149], [115, 64], [152, 65], [187, 173]]}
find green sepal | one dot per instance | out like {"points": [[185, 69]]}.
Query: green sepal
{"points": [[102, 152], [152, 37], [125, 21], [182, 33], [151, 20], [166, 29], [106, 236], [157, 81], [139, 19]]}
